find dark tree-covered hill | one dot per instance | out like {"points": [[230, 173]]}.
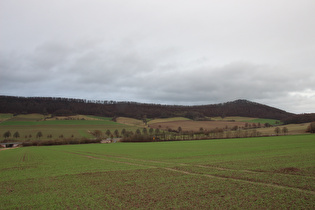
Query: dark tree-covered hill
{"points": [[299, 118], [68, 106]]}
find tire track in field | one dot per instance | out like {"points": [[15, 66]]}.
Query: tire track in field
{"points": [[133, 159], [251, 171], [196, 174], [242, 180], [114, 161], [24, 157], [201, 166]]}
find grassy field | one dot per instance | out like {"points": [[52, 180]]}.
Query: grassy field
{"points": [[171, 119], [247, 119], [293, 129], [29, 125], [25, 117], [218, 122], [4, 117], [251, 173], [130, 121]]}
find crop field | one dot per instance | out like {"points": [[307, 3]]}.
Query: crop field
{"points": [[190, 125], [28, 125], [247, 119], [79, 126], [26, 117], [292, 128], [4, 117], [251, 173], [171, 119], [130, 121]]}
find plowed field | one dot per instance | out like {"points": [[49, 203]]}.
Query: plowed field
{"points": [[189, 125]]}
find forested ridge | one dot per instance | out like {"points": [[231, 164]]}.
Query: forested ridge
{"points": [[68, 106]]}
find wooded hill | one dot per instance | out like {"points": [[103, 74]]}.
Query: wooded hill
{"points": [[69, 106]]}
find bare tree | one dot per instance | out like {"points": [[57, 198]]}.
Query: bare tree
{"points": [[16, 135], [108, 133], [39, 134], [116, 132], [7, 134], [311, 127], [277, 130], [285, 130], [138, 132], [151, 130], [123, 132], [98, 133], [144, 131]]}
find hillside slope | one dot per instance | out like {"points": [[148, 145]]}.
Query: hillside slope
{"points": [[68, 106]]}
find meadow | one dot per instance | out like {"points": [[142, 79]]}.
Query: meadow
{"points": [[245, 173]]}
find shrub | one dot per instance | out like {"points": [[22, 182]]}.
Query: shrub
{"points": [[62, 141], [138, 138], [311, 128]]}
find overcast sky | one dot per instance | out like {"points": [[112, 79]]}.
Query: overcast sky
{"points": [[186, 52]]}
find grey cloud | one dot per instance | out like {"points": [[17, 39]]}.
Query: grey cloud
{"points": [[186, 52], [133, 74]]}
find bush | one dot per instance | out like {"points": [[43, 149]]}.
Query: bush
{"points": [[62, 141], [138, 138], [311, 128]]}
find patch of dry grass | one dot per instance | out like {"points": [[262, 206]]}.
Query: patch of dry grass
{"points": [[292, 128], [236, 118], [28, 117], [130, 121], [162, 120], [190, 125]]}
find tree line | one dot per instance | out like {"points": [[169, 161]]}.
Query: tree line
{"points": [[152, 135], [299, 118], [69, 106]]}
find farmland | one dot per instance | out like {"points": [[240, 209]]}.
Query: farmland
{"points": [[82, 126], [188, 125], [264, 172], [74, 126]]}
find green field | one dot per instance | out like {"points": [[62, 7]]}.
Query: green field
{"points": [[28, 126], [79, 126], [251, 173], [161, 120], [247, 119]]}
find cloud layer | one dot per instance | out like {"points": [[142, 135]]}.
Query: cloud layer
{"points": [[161, 52]]}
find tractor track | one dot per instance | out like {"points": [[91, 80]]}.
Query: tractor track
{"points": [[114, 161], [244, 181], [194, 174]]}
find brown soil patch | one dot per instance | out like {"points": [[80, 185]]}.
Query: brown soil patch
{"points": [[190, 125], [289, 169]]}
